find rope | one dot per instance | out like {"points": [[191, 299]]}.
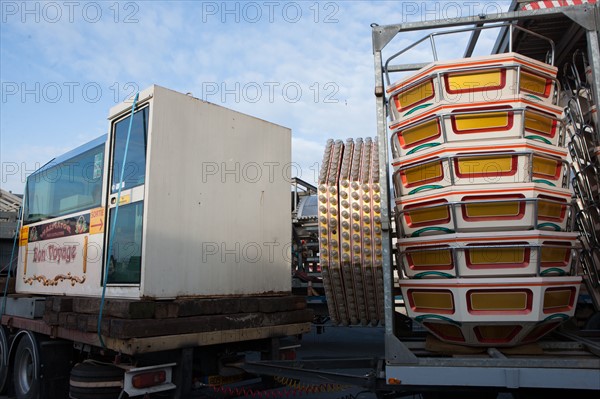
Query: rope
{"points": [[114, 222]]}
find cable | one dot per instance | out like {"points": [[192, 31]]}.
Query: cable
{"points": [[114, 222]]}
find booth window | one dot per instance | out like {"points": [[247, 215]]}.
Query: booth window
{"points": [[70, 184], [135, 163]]}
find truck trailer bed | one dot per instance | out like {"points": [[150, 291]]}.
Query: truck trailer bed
{"points": [[139, 327]]}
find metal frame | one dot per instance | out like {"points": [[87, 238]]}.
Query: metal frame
{"points": [[475, 30], [318, 370], [401, 363], [489, 370]]}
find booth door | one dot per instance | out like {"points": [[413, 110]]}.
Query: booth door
{"points": [[127, 208]]}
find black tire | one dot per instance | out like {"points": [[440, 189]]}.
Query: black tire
{"points": [[84, 377], [26, 369], [4, 369]]}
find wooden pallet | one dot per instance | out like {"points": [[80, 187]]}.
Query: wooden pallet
{"points": [[124, 319]]}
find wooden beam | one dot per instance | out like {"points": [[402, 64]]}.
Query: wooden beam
{"points": [[137, 346]]}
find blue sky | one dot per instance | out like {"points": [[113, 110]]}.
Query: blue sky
{"points": [[304, 65]]}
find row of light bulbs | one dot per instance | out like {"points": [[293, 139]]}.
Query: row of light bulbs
{"points": [[350, 233]]}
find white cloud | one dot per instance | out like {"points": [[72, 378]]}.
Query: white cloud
{"points": [[186, 46]]}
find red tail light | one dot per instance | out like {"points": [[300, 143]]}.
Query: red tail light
{"points": [[149, 379]]}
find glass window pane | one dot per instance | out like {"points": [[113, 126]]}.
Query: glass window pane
{"points": [[135, 164], [124, 265], [70, 186]]}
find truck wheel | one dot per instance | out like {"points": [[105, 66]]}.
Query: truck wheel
{"points": [[3, 360], [96, 381], [26, 369]]}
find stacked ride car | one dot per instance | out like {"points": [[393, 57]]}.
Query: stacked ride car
{"points": [[485, 251]]}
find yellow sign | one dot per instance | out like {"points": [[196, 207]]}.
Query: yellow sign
{"points": [[125, 199], [97, 221], [24, 236]]}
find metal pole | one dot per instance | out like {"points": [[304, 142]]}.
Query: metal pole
{"points": [[594, 60], [395, 351], [385, 200]]}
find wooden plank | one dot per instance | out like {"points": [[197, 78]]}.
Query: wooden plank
{"points": [[249, 305], [50, 318], [136, 346], [122, 308], [212, 306], [60, 303], [132, 309], [86, 305], [49, 304], [125, 328], [62, 319], [198, 307], [88, 322], [165, 310], [129, 309], [80, 321], [71, 320], [289, 317], [281, 304]]}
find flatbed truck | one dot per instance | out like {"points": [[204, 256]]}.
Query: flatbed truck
{"points": [[145, 261]]}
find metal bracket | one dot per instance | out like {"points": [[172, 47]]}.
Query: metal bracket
{"points": [[397, 353], [512, 378], [382, 35], [584, 16], [319, 371]]}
